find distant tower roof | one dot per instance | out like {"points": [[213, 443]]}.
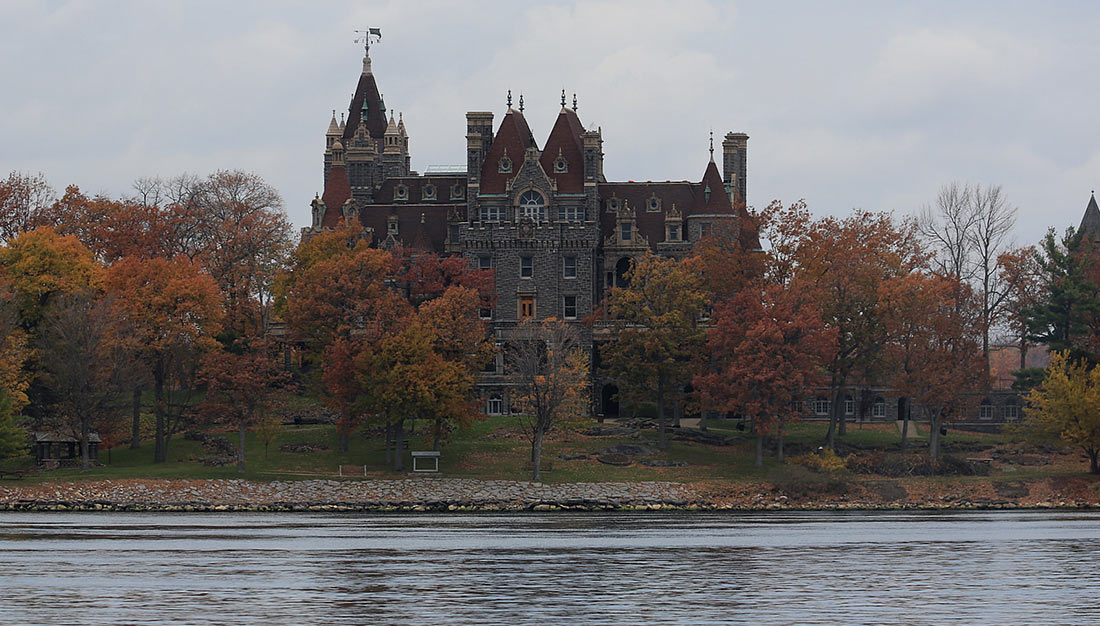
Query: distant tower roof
{"points": [[1090, 223]]}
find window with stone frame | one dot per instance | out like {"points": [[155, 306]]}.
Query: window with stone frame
{"points": [[878, 409], [985, 411], [821, 406], [572, 214], [626, 231], [485, 262], [428, 192], [569, 267], [674, 232], [490, 213], [849, 405], [457, 191], [526, 267], [1011, 410], [569, 307], [532, 205], [495, 405]]}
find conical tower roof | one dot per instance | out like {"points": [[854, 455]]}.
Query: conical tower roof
{"points": [[1090, 223]]}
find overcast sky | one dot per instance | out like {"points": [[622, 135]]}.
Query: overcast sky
{"points": [[869, 105]]}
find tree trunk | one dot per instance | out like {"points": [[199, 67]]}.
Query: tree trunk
{"points": [[779, 446], [438, 437], [838, 410], [934, 435], [240, 447], [398, 441], [830, 435], [759, 450], [85, 464], [662, 443], [1094, 466], [388, 447], [135, 433], [905, 424], [160, 452], [1023, 353], [536, 456]]}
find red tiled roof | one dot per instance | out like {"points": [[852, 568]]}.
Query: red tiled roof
{"points": [[367, 89], [565, 139], [514, 136], [337, 192]]}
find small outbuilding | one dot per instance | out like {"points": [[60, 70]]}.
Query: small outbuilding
{"points": [[61, 450]]}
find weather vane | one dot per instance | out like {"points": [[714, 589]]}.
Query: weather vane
{"points": [[363, 36]]}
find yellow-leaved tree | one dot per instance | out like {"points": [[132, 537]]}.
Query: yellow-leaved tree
{"points": [[1066, 406]]}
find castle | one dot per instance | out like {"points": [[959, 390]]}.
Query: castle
{"points": [[554, 230]]}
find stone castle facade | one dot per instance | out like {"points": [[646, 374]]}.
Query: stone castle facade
{"points": [[557, 234]]}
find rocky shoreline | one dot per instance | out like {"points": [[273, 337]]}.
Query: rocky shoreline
{"points": [[468, 495]]}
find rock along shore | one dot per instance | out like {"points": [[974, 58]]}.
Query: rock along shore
{"points": [[466, 495]]}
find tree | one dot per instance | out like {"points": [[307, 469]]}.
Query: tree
{"points": [[40, 264], [23, 201], [15, 378], [1066, 406], [1068, 311], [845, 261], [81, 366], [170, 309], [933, 345], [552, 379], [969, 229], [656, 332], [241, 380], [13, 439], [770, 346], [1021, 275]]}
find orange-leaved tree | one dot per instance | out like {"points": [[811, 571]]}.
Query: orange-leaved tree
{"points": [[768, 346], [39, 265], [170, 310], [657, 336]]}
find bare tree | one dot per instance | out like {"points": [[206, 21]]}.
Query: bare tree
{"points": [[23, 203], [551, 370], [968, 229], [81, 366]]}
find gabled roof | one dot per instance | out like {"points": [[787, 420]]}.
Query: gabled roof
{"points": [[366, 90], [565, 140], [513, 137], [337, 192], [1090, 223]]}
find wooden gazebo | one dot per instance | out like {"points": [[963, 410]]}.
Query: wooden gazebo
{"points": [[58, 449]]}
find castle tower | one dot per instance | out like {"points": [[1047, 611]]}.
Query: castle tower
{"points": [[735, 154]]}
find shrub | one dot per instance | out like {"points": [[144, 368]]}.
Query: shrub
{"points": [[825, 461]]}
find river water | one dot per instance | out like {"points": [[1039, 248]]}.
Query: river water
{"points": [[621, 568]]}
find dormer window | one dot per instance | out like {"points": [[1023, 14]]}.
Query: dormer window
{"points": [[428, 192], [457, 191], [613, 204], [505, 165], [653, 205], [561, 166], [673, 232], [626, 231], [400, 192], [391, 226]]}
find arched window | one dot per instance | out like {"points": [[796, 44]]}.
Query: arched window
{"points": [[495, 406], [532, 205]]}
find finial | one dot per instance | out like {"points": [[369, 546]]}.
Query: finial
{"points": [[521, 103], [574, 102], [712, 145], [563, 98], [334, 114], [509, 98], [341, 118], [400, 117]]}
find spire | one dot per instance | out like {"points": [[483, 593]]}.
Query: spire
{"points": [[574, 102], [521, 103], [364, 36], [712, 145], [563, 98], [342, 125], [1090, 223], [509, 98], [333, 127]]}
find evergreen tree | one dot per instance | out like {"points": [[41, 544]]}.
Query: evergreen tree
{"points": [[13, 439], [1068, 310]]}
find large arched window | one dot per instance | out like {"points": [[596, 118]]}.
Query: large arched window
{"points": [[532, 205]]}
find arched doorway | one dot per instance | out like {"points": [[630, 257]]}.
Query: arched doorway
{"points": [[609, 403], [622, 266]]}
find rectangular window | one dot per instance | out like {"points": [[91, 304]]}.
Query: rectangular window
{"points": [[485, 313], [1011, 412], [526, 267], [986, 412], [484, 262], [569, 267], [704, 229], [573, 214], [878, 409], [673, 233], [452, 233], [490, 214], [821, 406], [626, 232], [526, 307], [569, 308], [849, 406], [496, 406]]}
